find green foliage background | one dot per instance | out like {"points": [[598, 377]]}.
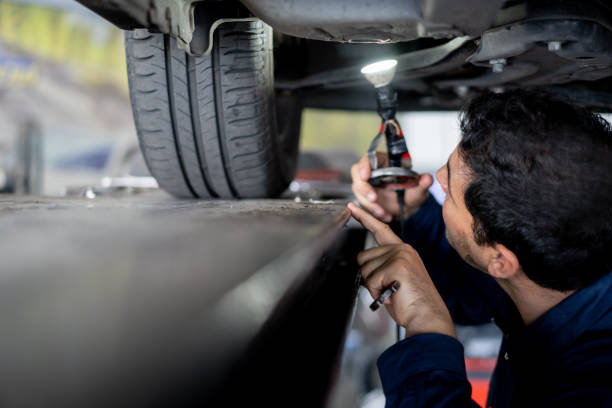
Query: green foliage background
{"points": [[334, 129]]}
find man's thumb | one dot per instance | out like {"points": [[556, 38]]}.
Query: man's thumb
{"points": [[425, 181]]}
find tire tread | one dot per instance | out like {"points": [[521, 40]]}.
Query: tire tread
{"points": [[207, 126]]}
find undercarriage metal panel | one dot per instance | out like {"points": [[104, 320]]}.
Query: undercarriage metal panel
{"points": [[167, 16], [192, 22], [505, 43], [382, 21], [127, 14], [409, 65], [584, 50]]}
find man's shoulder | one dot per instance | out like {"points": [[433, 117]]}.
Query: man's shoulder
{"points": [[579, 376], [584, 339], [592, 349]]}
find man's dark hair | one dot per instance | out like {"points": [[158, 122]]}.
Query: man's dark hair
{"points": [[541, 184]]}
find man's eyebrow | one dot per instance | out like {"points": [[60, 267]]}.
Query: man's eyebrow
{"points": [[448, 179]]}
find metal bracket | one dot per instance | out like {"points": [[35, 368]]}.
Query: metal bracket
{"points": [[400, 145], [193, 30], [207, 17], [174, 17], [372, 158], [202, 41], [393, 178], [191, 24]]}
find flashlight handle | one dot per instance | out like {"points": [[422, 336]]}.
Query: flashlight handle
{"points": [[395, 160], [393, 138], [386, 99]]}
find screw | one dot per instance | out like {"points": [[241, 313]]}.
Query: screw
{"points": [[461, 90], [554, 45], [498, 64]]}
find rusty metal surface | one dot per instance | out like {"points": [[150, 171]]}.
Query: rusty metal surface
{"points": [[119, 299]]}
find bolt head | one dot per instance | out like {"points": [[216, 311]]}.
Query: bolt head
{"points": [[554, 45], [497, 64], [501, 61], [461, 90]]}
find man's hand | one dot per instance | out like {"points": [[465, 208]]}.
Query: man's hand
{"points": [[416, 305], [383, 203]]}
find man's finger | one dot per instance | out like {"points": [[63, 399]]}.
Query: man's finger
{"points": [[425, 181], [371, 253], [362, 187], [363, 166], [422, 187], [379, 278], [372, 207], [381, 231], [373, 264], [367, 195], [414, 197]]}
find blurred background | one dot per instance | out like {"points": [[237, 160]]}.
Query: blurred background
{"points": [[65, 115]]}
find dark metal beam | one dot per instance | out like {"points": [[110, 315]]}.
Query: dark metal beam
{"points": [[151, 300], [410, 65]]}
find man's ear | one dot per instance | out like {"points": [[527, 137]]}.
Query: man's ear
{"points": [[503, 264]]}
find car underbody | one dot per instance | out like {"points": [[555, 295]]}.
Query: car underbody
{"points": [[445, 49], [218, 86]]}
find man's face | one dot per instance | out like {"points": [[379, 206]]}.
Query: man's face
{"points": [[454, 178]]}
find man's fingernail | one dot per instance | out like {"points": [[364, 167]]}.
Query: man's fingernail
{"points": [[388, 218], [379, 212], [372, 196], [364, 174]]}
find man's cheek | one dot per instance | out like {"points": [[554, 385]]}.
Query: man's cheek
{"points": [[450, 223], [449, 216], [447, 223], [444, 211]]}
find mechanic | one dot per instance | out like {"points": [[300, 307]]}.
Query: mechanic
{"points": [[524, 239]]}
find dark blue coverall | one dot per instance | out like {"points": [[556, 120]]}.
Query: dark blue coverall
{"points": [[563, 359]]}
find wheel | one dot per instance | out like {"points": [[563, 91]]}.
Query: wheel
{"points": [[213, 126]]}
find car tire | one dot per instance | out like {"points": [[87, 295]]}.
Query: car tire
{"points": [[212, 126]]}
